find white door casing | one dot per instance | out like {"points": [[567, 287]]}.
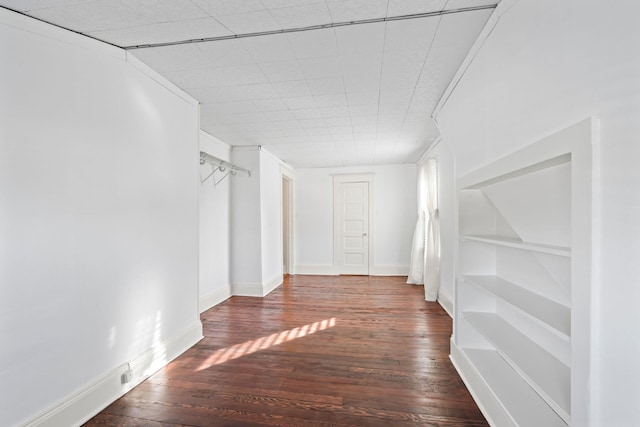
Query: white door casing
{"points": [[352, 223]]}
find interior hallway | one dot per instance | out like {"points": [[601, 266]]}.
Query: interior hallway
{"points": [[320, 351]]}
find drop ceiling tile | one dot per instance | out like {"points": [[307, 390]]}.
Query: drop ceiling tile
{"points": [[229, 7], [173, 58], [363, 110], [361, 64], [341, 130], [361, 39], [338, 122], [461, 28], [292, 89], [226, 53], [290, 124], [305, 15], [328, 112], [108, 15], [318, 68], [29, 5], [249, 22], [362, 83], [320, 131], [299, 102], [272, 104], [312, 123], [356, 10], [280, 116], [269, 48], [282, 71], [232, 93], [369, 121], [411, 34], [360, 98], [459, 4], [331, 100], [314, 44], [163, 32], [212, 77], [410, 7], [307, 113], [275, 4], [229, 108], [326, 86]]}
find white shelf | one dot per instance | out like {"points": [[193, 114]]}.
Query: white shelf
{"points": [[511, 242], [522, 403], [542, 309], [548, 376]]}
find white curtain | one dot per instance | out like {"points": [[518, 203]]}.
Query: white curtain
{"points": [[416, 267], [432, 250]]}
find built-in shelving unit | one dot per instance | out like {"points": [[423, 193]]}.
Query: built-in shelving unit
{"points": [[524, 255]]}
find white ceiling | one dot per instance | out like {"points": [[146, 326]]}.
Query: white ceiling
{"points": [[343, 95]]}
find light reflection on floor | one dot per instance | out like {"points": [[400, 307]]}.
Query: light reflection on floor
{"points": [[263, 343]]}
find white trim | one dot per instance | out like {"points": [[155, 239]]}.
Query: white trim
{"points": [[390, 270], [487, 402], [214, 298], [429, 150], [272, 284], [288, 174], [339, 179], [317, 269], [59, 34], [257, 289], [445, 300], [158, 78], [247, 289], [80, 406]]}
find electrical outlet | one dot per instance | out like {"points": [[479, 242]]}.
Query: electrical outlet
{"points": [[127, 376]]}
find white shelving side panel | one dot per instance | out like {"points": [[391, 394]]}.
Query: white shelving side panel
{"points": [[542, 309], [522, 403], [519, 244], [548, 376]]}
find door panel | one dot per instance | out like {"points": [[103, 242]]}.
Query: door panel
{"points": [[354, 227]]}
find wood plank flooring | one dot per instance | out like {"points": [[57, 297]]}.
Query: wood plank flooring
{"points": [[318, 351]]}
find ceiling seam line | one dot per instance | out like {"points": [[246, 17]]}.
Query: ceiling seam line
{"points": [[311, 28]]}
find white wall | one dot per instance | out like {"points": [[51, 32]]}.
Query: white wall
{"points": [[256, 223], [98, 217], [215, 283], [545, 66], [394, 218], [448, 220]]}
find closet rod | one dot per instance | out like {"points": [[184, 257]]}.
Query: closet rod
{"points": [[222, 166]]}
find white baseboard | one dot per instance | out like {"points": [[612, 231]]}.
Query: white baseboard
{"points": [[272, 284], [446, 302], [82, 405], [390, 270], [316, 269], [257, 289], [489, 405], [214, 298]]}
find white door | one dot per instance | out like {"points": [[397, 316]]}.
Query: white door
{"points": [[353, 228]]}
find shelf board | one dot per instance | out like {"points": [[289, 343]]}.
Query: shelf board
{"points": [[524, 405], [548, 376], [551, 313], [512, 242]]}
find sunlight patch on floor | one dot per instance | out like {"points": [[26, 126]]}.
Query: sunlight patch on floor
{"points": [[263, 343]]}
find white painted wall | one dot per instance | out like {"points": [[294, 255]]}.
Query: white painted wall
{"points": [[394, 218], [448, 220], [256, 223], [271, 208], [215, 283], [545, 66], [98, 216]]}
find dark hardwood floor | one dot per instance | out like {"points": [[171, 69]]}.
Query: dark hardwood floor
{"points": [[318, 351]]}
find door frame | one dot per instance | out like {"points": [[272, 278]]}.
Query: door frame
{"points": [[338, 180], [287, 174]]}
